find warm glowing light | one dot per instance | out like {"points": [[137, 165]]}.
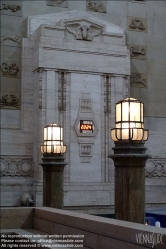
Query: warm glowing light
{"points": [[129, 123], [53, 140]]}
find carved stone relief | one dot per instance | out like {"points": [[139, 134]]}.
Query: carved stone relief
{"points": [[9, 101], [10, 70], [137, 24], [62, 91], [83, 30], [138, 80], [155, 168], [14, 38], [16, 167], [11, 7], [137, 52], [97, 6], [58, 3]]}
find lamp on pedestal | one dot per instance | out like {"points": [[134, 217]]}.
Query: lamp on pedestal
{"points": [[53, 166], [129, 160]]}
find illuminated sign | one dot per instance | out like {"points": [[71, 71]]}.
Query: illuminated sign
{"points": [[86, 127]]}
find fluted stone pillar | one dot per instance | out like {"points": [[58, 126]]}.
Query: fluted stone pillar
{"points": [[53, 168], [129, 160]]}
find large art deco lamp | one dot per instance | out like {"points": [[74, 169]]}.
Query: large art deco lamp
{"points": [[129, 160], [53, 166]]}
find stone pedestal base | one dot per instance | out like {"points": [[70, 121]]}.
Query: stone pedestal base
{"points": [[129, 161], [53, 168]]}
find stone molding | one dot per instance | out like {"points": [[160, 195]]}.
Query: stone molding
{"points": [[155, 168], [96, 6], [58, 3], [107, 94], [10, 37], [137, 1], [62, 91], [16, 167]]}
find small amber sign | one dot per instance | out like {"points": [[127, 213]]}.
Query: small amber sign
{"points": [[86, 127]]}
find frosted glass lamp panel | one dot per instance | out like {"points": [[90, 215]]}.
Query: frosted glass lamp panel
{"points": [[145, 135], [54, 147], [113, 135], [57, 133], [142, 113], [125, 111], [137, 134], [118, 112], [125, 134], [45, 133], [135, 112]]}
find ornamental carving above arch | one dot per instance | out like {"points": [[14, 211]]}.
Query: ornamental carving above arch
{"points": [[84, 30]]}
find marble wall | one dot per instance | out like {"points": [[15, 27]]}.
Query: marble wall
{"points": [[44, 42]]}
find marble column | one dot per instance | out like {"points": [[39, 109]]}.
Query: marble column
{"points": [[129, 160], [53, 167]]}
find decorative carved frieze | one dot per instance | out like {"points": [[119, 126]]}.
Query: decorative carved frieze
{"points": [[16, 167], [97, 6], [85, 149], [107, 94], [12, 7], [85, 105], [155, 168], [14, 38], [62, 91], [85, 152], [58, 3], [138, 80], [138, 52], [83, 30], [137, 24], [9, 69], [9, 101]]}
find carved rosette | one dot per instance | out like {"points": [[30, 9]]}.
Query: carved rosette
{"points": [[155, 168], [96, 6], [16, 167], [9, 101]]}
